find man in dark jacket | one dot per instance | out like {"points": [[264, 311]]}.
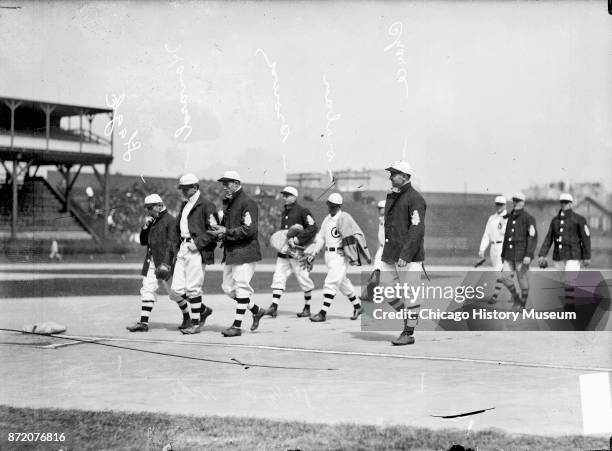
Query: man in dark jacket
{"points": [[240, 250], [293, 213], [571, 237], [194, 250], [518, 248], [158, 235], [404, 250]]}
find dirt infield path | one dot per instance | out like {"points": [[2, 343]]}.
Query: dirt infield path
{"points": [[531, 378]]}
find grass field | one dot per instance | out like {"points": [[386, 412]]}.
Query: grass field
{"points": [[86, 430]]}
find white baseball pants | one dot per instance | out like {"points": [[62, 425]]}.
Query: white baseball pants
{"points": [[151, 284], [188, 276], [237, 280], [336, 279], [284, 268]]}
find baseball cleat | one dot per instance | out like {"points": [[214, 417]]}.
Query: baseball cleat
{"points": [[319, 317], [205, 314], [193, 329], [272, 311], [138, 327], [256, 318], [232, 332], [357, 313], [186, 323], [305, 313], [405, 338]]}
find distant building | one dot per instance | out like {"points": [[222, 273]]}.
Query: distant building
{"points": [[551, 191], [598, 217]]}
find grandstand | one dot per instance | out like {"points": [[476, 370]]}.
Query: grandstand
{"points": [[35, 134]]}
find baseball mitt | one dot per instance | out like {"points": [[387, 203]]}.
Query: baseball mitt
{"points": [[294, 230], [163, 272], [306, 262]]}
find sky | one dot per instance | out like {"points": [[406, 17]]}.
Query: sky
{"points": [[483, 96]]}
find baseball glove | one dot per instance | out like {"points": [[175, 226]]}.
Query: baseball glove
{"points": [[163, 272], [306, 262], [294, 230]]}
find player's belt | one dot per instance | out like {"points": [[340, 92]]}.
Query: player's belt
{"points": [[496, 242], [331, 249], [185, 240], [280, 255]]}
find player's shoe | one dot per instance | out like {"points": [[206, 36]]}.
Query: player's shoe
{"points": [[357, 313], [272, 311], [205, 314], [319, 317], [138, 327], [256, 318], [405, 338], [193, 329], [186, 322], [304, 313], [232, 332]]}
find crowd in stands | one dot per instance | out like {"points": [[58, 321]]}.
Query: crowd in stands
{"points": [[126, 214]]}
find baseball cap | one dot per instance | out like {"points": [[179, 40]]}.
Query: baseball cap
{"points": [[153, 199], [566, 197], [335, 198], [188, 179], [230, 176], [500, 200], [381, 204], [290, 190], [518, 195], [400, 166]]}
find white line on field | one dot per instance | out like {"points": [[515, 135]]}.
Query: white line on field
{"points": [[348, 353]]}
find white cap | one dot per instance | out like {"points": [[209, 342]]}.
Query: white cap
{"points": [[230, 176], [188, 179], [381, 204], [290, 190], [153, 199], [335, 198], [567, 197], [500, 200], [518, 195], [400, 166]]}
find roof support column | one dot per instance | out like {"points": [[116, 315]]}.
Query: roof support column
{"points": [[14, 211], [106, 201], [47, 109]]}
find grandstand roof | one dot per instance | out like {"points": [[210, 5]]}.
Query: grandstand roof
{"points": [[61, 109], [45, 158]]}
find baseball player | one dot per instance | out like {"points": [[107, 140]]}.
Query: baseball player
{"points": [[518, 248], [292, 214], [240, 250], [494, 233], [571, 236], [375, 276], [336, 226], [404, 252], [158, 235], [194, 250], [572, 240]]}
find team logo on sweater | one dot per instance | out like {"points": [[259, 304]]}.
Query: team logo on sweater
{"points": [[309, 220], [532, 230], [247, 219], [415, 219], [587, 232]]}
